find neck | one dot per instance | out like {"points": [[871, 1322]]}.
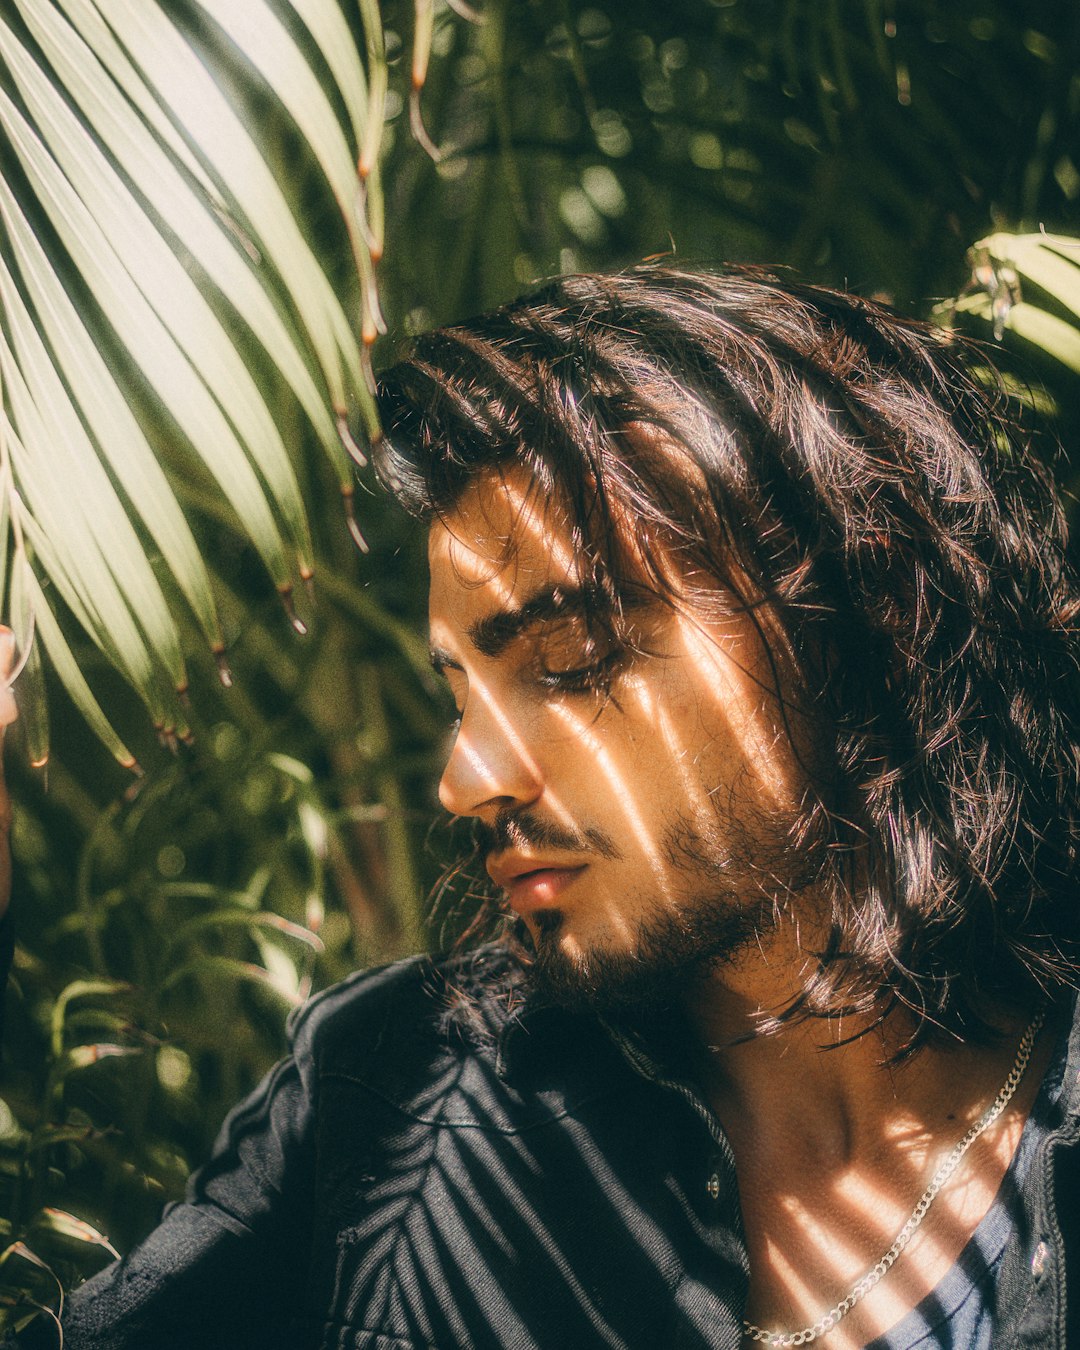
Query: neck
{"points": [[839, 1081], [834, 1145]]}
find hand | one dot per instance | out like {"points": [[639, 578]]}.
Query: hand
{"points": [[8, 714]]}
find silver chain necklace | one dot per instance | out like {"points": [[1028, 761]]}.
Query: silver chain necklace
{"points": [[878, 1272]]}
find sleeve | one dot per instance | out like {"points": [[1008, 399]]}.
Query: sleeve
{"points": [[225, 1268]]}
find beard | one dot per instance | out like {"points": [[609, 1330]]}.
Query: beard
{"points": [[672, 949], [738, 879]]}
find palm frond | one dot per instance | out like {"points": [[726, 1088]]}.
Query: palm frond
{"points": [[1028, 284], [146, 244]]}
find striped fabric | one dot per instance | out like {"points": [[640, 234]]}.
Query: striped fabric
{"points": [[415, 1178], [435, 1166]]}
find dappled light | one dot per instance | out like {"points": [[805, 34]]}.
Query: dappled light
{"points": [[683, 764], [745, 863], [830, 1228], [679, 764]]}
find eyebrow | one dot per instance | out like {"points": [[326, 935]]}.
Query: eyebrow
{"points": [[491, 635]]}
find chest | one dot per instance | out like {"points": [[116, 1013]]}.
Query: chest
{"points": [[609, 1220]]}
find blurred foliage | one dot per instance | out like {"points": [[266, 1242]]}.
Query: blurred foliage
{"points": [[865, 143], [164, 928]]}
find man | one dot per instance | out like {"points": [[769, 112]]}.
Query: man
{"points": [[758, 621]]}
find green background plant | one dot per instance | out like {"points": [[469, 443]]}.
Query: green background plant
{"points": [[166, 926]]}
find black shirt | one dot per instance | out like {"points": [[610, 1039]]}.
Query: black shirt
{"points": [[438, 1165]]}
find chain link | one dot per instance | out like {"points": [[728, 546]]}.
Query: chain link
{"points": [[877, 1272]]}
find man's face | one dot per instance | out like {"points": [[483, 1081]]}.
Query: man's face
{"points": [[642, 832]]}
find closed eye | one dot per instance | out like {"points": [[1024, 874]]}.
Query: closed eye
{"points": [[586, 679]]}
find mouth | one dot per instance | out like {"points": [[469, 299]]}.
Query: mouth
{"points": [[528, 889]]}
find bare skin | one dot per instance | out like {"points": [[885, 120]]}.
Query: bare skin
{"points": [[7, 716], [833, 1151], [661, 801]]}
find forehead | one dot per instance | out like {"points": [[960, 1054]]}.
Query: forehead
{"points": [[503, 538]]}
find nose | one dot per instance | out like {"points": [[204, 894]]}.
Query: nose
{"points": [[490, 768]]}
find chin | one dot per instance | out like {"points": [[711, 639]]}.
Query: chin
{"points": [[667, 951], [594, 975]]}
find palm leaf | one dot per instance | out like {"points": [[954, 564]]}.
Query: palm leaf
{"points": [[1028, 284], [146, 244]]}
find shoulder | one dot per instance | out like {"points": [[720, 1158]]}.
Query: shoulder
{"points": [[1070, 1085], [418, 1009], [449, 1042]]}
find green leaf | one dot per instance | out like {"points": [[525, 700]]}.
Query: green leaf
{"points": [[99, 36], [73, 472], [1047, 331], [267, 44], [190, 214], [86, 1056], [71, 676], [66, 1225], [118, 436], [168, 288], [30, 684], [65, 538], [1043, 259], [46, 1136], [224, 967], [28, 1285], [328, 26], [79, 989], [243, 918], [6, 488], [1008, 273], [147, 340], [186, 88]]}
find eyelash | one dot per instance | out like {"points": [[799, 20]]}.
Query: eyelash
{"points": [[589, 679]]}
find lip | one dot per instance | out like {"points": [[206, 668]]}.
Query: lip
{"points": [[533, 883]]}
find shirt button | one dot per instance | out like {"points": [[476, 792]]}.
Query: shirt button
{"points": [[712, 1186], [1038, 1261]]}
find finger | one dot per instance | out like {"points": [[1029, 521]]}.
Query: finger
{"points": [[8, 711]]}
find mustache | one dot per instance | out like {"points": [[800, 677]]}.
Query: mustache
{"points": [[526, 829]]}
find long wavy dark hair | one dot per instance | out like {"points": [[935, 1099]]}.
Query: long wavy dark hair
{"points": [[855, 472]]}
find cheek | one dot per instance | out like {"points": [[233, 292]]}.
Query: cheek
{"points": [[755, 753], [610, 762], [631, 762], [720, 727], [687, 741]]}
